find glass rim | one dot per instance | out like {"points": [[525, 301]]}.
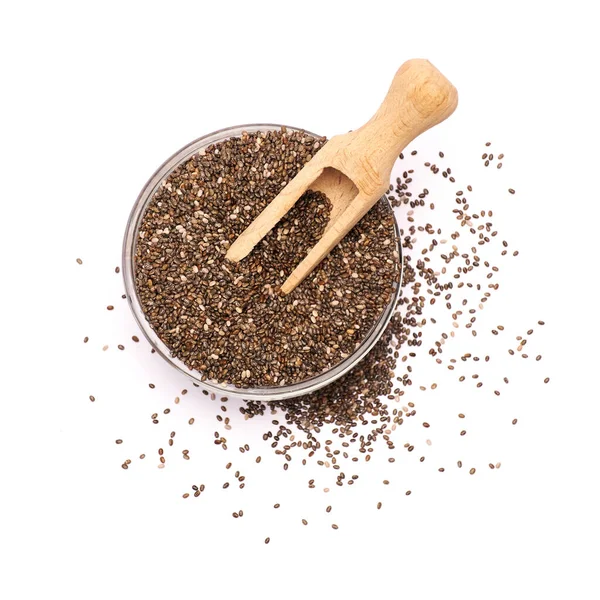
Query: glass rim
{"points": [[264, 394]]}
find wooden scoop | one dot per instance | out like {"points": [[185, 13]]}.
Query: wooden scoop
{"points": [[353, 170]]}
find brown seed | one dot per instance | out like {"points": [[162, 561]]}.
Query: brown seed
{"points": [[86, 339], [135, 338], [514, 421], [121, 347], [511, 190], [117, 270], [547, 380], [334, 526], [276, 505], [92, 399], [151, 386], [118, 441], [191, 421], [472, 471], [79, 261], [408, 492], [110, 307], [267, 540], [379, 505], [304, 522]]}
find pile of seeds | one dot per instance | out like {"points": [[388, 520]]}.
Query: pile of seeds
{"points": [[228, 321], [450, 276]]}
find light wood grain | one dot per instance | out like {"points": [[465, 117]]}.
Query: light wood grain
{"points": [[353, 170]]}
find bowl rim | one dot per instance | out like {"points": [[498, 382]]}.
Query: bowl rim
{"points": [[264, 394]]}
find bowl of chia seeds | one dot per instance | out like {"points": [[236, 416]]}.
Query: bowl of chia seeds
{"points": [[226, 325]]}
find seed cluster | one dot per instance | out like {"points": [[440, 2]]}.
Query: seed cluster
{"points": [[345, 422], [228, 321]]}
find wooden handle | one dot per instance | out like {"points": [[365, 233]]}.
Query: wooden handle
{"points": [[419, 98]]}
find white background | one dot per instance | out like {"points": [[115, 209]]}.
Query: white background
{"points": [[95, 95]]}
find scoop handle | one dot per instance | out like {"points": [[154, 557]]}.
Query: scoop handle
{"points": [[419, 98]]}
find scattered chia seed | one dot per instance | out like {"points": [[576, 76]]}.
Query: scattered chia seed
{"points": [[182, 278]]}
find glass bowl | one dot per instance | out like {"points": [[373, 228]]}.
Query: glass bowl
{"points": [[283, 392]]}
